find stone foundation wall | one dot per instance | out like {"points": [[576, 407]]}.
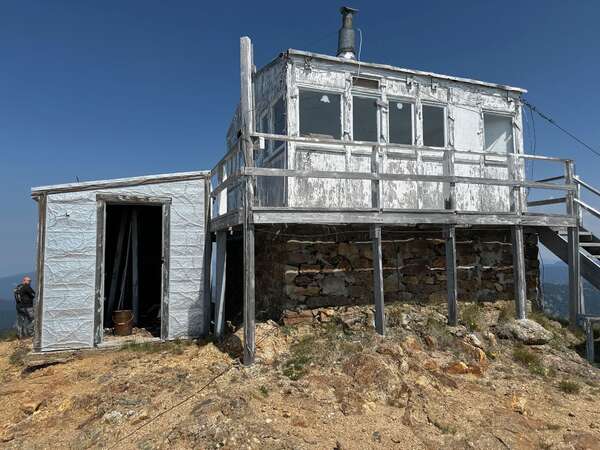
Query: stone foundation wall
{"points": [[314, 266]]}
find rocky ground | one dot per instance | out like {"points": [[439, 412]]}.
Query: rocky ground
{"points": [[324, 380]]}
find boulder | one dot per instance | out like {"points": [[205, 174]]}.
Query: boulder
{"points": [[526, 331]]}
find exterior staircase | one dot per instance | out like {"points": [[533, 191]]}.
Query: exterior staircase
{"points": [[556, 240]]}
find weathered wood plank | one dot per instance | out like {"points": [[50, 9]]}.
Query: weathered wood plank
{"points": [[166, 252], [378, 295], [41, 249], [247, 113], [518, 249], [119, 182], [135, 287], [220, 283], [100, 271], [451, 275]]}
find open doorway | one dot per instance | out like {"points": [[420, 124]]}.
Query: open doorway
{"points": [[133, 260], [234, 280]]}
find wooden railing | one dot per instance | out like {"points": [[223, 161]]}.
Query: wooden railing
{"points": [[228, 174]]}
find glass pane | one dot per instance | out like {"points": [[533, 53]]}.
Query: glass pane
{"points": [[433, 126], [364, 116], [320, 114], [279, 121], [498, 133], [401, 128]]}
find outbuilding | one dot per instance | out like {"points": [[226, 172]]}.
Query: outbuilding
{"points": [[131, 243]]}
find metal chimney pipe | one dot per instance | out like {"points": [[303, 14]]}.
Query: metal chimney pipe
{"points": [[346, 36]]}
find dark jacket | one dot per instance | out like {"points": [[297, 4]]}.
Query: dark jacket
{"points": [[24, 295]]}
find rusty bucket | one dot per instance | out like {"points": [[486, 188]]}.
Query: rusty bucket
{"points": [[123, 322]]}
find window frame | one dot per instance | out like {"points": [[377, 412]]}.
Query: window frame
{"points": [[505, 114], [413, 127], [306, 88], [368, 95], [444, 108]]}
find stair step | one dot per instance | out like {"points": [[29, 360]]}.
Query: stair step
{"points": [[590, 244]]}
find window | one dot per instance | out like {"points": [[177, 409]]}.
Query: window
{"points": [[498, 131], [434, 129], [279, 121], [401, 123], [320, 114], [366, 83], [364, 119]]}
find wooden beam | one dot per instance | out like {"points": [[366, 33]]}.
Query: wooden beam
{"points": [[451, 277], [576, 306], [247, 116], [100, 271], [114, 280], [135, 287], [378, 296], [589, 340], [220, 283], [574, 264], [41, 249], [166, 264], [518, 249], [207, 269]]}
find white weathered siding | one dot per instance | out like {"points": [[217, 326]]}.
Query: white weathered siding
{"points": [[465, 105], [70, 262]]}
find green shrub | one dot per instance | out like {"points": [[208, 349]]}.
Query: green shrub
{"points": [[301, 355], [569, 387], [531, 360], [472, 316], [264, 391]]}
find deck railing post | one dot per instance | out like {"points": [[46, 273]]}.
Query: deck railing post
{"points": [[520, 280], [378, 279], [450, 186], [247, 116], [376, 187], [576, 306], [451, 278]]}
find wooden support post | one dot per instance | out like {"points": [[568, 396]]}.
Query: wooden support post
{"points": [[449, 187], [451, 278], [41, 248], [207, 275], [247, 116], [114, 281], [518, 248], [589, 340], [378, 279], [220, 282], [576, 306], [135, 287]]}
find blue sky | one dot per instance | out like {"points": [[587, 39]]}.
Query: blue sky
{"points": [[121, 88]]}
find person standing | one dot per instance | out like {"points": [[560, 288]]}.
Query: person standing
{"points": [[24, 296]]}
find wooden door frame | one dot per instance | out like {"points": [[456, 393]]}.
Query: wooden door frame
{"points": [[102, 200]]}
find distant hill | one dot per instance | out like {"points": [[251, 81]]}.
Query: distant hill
{"points": [[556, 292]]}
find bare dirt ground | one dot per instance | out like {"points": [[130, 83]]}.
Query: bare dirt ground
{"points": [[330, 384]]}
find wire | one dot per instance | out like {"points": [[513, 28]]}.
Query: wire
{"points": [[360, 34], [553, 122], [189, 397]]}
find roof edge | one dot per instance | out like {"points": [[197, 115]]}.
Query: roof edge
{"points": [[505, 87], [119, 182]]}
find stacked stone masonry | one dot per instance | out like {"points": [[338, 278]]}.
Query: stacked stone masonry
{"points": [[314, 266]]}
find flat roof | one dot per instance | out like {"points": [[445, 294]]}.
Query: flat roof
{"points": [[119, 182], [402, 70]]}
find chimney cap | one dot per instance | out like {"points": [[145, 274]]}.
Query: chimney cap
{"points": [[348, 9]]}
